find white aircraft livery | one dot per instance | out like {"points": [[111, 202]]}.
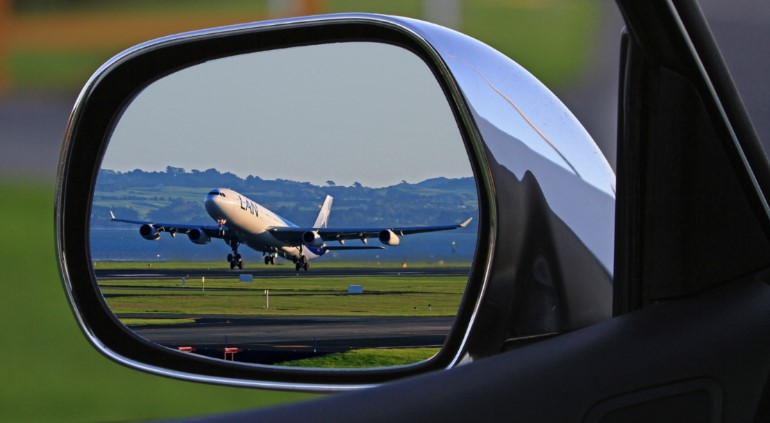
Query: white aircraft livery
{"points": [[242, 221]]}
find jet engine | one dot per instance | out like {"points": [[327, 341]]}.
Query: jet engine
{"points": [[199, 236], [312, 239], [149, 232], [389, 237]]}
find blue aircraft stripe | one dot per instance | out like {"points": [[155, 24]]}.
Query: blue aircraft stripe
{"points": [[317, 251]]}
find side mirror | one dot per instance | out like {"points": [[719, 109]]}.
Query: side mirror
{"points": [[506, 169]]}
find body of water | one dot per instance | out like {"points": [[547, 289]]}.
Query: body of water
{"points": [[125, 244]]}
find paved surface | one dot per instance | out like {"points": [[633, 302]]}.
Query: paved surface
{"points": [[268, 340], [117, 274], [32, 128]]}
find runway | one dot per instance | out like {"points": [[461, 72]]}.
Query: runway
{"points": [[269, 340], [274, 272]]}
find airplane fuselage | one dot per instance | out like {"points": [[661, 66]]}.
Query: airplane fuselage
{"points": [[250, 221]]}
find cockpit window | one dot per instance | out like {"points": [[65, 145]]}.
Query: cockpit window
{"points": [[215, 192]]}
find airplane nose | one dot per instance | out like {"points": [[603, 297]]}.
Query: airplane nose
{"points": [[211, 197], [213, 201], [217, 201]]}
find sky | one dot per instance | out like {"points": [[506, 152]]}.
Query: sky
{"points": [[346, 112]]}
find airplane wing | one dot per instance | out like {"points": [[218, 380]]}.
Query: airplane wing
{"points": [[175, 228], [293, 235]]}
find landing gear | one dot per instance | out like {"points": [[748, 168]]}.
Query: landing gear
{"points": [[270, 255], [234, 258], [235, 261], [301, 263]]}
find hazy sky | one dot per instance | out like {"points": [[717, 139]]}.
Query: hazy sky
{"points": [[346, 112]]}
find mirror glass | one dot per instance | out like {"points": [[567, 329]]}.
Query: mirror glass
{"points": [[311, 206]]}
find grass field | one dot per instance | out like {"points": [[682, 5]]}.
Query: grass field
{"points": [[383, 296], [49, 371], [57, 49], [366, 358]]}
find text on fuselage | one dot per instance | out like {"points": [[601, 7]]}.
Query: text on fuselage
{"points": [[249, 206]]}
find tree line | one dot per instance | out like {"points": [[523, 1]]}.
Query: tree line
{"points": [[176, 196]]}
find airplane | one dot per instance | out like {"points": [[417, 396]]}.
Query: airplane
{"points": [[240, 220]]}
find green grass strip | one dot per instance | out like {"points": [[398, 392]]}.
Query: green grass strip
{"points": [[366, 358], [383, 296]]}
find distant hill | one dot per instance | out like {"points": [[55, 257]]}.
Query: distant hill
{"points": [[176, 195]]}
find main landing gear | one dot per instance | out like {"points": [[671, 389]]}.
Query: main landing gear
{"points": [[234, 258], [269, 255], [235, 261], [301, 262]]}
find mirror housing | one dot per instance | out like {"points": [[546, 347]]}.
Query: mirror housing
{"points": [[544, 258]]}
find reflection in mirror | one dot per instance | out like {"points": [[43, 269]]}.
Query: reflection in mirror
{"points": [[295, 207]]}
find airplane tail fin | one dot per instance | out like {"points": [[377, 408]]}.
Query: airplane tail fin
{"points": [[323, 216]]}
